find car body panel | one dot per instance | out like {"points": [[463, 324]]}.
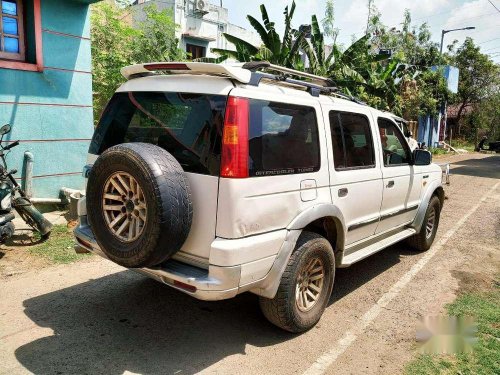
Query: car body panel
{"points": [[245, 229]]}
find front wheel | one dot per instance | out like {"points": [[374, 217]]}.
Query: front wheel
{"points": [[33, 217], [423, 240], [305, 287]]}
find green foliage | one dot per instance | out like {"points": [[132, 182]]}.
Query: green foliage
{"points": [[281, 51], [485, 308], [111, 42], [328, 22], [115, 44], [59, 247], [479, 88], [155, 40]]}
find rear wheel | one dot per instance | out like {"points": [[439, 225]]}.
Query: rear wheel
{"points": [[305, 287], [423, 240]]}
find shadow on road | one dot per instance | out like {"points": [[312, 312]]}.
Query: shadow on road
{"points": [[124, 322], [486, 167]]}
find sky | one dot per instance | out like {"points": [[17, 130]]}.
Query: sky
{"points": [[351, 16]]}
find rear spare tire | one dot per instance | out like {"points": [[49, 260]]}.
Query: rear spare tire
{"points": [[138, 204]]}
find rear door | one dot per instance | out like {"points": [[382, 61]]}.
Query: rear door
{"points": [[402, 185], [187, 125], [356, 177]]}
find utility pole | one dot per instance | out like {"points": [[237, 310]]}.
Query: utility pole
{"points": [[445, 114]]}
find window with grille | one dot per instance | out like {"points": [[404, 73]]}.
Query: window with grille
{"points": [[12, 30]]}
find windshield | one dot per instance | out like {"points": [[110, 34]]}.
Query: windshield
{"points": [[189, 126]]}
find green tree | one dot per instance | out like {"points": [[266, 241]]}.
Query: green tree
{"points": [[111, 50], [281, 51], [479, 78], [116, 43], [155, 39]]}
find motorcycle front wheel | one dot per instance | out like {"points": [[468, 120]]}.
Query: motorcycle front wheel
{"points": [[32, 216]]}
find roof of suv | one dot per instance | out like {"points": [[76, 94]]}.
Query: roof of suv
{"points": [[211, 78]]}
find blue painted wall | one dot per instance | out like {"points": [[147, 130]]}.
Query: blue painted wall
{"points": [[51, 111], [428, 130]]}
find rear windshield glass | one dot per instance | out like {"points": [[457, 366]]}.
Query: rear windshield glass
{"points": [[283, 139], [189, 126]]}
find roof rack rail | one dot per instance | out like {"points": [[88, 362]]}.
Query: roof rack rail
{"points": [[319, 85], [254, 66], [247, 73]]}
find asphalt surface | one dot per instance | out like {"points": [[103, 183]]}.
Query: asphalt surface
{"points": [[95, 317]]}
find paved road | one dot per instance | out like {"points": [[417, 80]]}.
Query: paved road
{"points": [[96, 317]]}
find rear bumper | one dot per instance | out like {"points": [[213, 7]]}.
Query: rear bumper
{"points": [[215, 283]]}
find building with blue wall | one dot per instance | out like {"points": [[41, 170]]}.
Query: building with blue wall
{"points": [[432, 129], [46, 89]]}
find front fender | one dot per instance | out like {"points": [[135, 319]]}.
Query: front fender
{"points": [[434, 186]]}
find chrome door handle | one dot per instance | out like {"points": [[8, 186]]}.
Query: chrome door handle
{"points": [[390, 184], [343, 192]]}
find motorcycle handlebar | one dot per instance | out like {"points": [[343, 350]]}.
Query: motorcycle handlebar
{"points": [[13, 144]]}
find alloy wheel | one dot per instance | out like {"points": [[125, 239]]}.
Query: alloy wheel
{"points": [[310, 284], [124, 206]]}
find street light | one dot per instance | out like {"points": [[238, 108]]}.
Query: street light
{"points": [[448, 31], [445, 114]]}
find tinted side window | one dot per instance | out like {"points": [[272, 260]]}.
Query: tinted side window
{"points": [[394, 145], [189, 126], [283, 139], [352, 141]]}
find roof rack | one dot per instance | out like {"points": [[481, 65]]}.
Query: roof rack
{"points": [[253, 66], [247, 73]]}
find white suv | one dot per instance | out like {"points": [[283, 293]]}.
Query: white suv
{"points": [[218, 179]]}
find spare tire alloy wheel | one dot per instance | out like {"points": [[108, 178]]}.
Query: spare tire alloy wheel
{"points": [[124, 206], [138, 204]]}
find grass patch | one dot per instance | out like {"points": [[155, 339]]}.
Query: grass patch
{"points": [[463, 144], [438, 151], [485, 358], [59, 247]]}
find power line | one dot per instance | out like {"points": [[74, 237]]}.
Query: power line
{"points": [[465, 19], [494, 6], [486, 41], [445, 12], [493, 48]]}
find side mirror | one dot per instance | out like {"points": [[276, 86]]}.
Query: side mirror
{"points": [[422, 157], [5, 129]]}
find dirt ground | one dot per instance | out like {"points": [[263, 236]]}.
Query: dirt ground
{"points": [[95, 317]]}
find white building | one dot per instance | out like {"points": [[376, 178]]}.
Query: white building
{"points": [[201, 25]]}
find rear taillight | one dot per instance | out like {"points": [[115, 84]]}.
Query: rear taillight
{"points": [[234, 159]]}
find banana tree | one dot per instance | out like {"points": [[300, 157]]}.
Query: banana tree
{"points": [[281, 51]]}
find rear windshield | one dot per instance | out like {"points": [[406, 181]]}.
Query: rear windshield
{"points": [[189, 126], [283, 139]]}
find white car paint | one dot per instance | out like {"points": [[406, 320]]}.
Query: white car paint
{"points": [[240, 225]]}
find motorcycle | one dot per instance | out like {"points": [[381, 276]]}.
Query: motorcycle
{"points": [[13, 196]]}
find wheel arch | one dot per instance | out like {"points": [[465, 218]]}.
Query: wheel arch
{"points": [[435, 189], [326, 220], [315, 217]]}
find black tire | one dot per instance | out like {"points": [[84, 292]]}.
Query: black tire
{"points": [[283, 310], [422, 241], [167, 197], [33, 217]]}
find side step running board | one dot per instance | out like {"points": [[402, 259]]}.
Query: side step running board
{"points": [[376, 247]]}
